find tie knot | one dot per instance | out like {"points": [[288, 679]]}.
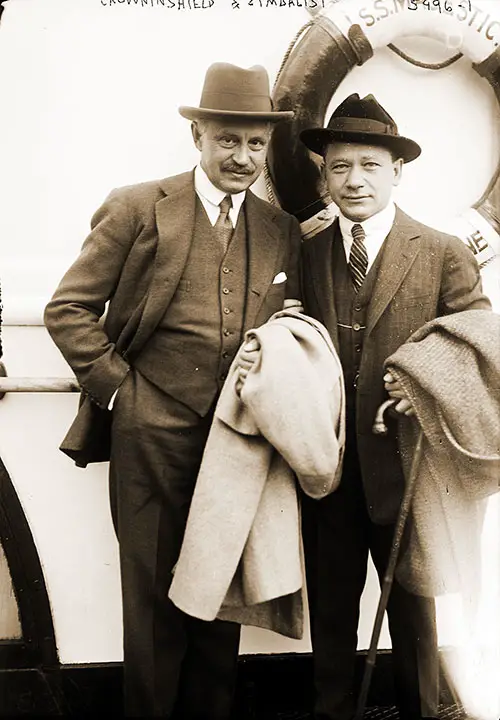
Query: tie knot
{"points": [[226, 204], [357, 232]]}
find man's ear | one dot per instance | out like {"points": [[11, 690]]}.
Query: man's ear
{"points": [[196, 133], [322, 187], [398, 171]]}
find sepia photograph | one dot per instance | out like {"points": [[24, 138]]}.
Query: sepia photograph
{"points": [[250, 359]]}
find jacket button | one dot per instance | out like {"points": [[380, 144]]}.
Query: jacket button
{"points": [[356, 327], [357, 308], [225, 291], [226, 311], [225, 354], [225, 270]]}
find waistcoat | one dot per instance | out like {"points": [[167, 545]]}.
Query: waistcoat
{"points": [[351, 308], [190, 352]]}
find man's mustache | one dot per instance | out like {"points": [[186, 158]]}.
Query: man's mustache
{"points": [[238, 169]]}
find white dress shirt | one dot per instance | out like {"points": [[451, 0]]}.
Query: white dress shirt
{"points": [[211, 196], [376, 228]]}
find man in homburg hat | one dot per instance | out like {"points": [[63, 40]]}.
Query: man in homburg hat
{"points": [[373, 278], [188, 264]]}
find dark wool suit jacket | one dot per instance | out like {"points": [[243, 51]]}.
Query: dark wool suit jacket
{"points": [[134, 258], [423, 274]]}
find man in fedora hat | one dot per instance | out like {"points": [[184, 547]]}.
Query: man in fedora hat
{"points": [[188, 264], [373, 278]]}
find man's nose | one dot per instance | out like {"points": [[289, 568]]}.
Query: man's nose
{"points": [[355, 178], [241, 156]]}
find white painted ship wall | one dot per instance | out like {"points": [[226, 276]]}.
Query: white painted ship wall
{"points": [[89, 94]]}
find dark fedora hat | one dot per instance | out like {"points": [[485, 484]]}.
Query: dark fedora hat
{"points": [[361, 120], [231, 91]]}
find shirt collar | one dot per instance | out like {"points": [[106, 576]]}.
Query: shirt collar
{"points": [[207, 190], [378, 225]]}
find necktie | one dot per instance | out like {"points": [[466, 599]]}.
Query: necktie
{"points": [[224, 227], [358, 259]]}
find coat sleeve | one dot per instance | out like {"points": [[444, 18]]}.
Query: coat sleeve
{"points": [[305, 281], [293, 285], [72, 316], [461, 286]]}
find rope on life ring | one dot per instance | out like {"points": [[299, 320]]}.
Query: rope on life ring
{"points": [[345, 34], [424, 65]]}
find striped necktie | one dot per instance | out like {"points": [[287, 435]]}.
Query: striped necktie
{"points": [[358, 258], [224, 227]]}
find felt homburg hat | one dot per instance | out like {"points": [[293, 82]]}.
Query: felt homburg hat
{"points": [[361, 120], [231, 91]]}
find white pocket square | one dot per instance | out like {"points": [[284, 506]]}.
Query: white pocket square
{"points": [[280, 277]]}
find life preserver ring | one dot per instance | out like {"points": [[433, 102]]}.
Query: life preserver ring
{"points": [[345, 34]]}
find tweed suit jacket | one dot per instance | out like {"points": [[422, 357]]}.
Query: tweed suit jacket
{"points": [[134, 257], [423, 274]]}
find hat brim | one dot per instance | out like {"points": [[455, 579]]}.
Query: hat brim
{"points": [[193, 113], [317, 139]]}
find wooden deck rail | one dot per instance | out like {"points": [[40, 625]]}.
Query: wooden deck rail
{"points": [[38, 384]]}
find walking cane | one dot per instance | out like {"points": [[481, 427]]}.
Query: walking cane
{"points": [[380, 428]]}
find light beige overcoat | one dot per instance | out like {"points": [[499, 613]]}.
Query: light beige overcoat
{"points": [[241, 558]]}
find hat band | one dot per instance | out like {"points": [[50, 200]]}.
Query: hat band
{"points": [[361, 125], [235, 102]]}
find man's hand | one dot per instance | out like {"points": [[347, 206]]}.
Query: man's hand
{"points": [[246, 360], [395, 391]]}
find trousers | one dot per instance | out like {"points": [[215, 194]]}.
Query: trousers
{"points": [[175, 666], [338, 537]]}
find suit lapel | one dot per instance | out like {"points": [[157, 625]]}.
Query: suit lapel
{"points": [[320, 250], [175, 222], [264, 240], [400, 250]]}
